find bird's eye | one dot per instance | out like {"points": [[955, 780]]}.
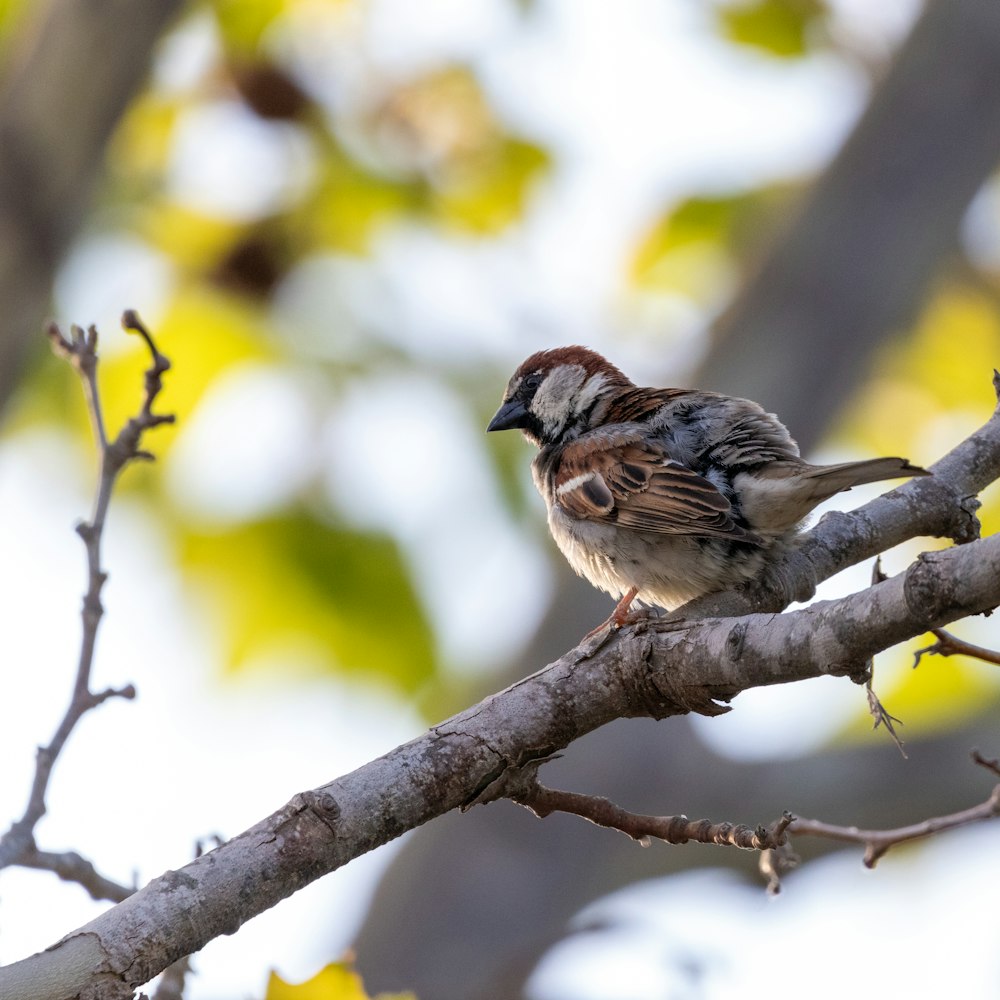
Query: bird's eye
{"points": [[532, 382]]}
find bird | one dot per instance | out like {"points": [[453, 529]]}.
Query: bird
{"points": [[663, 495]]}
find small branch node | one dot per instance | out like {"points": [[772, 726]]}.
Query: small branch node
{"points": [[990, 763], [873, 852], [128, 693], [775, 863], [950, 645]]}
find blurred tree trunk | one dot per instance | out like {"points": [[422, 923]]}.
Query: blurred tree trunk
{"points": [[69, 77], [471, 903], [857, 263]]}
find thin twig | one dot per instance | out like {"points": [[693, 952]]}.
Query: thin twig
{"points": [[990, 763], [17, 846], [775, 863], [72, 867], [524, 789], [877, 842], [544, 801], [950, 645]]}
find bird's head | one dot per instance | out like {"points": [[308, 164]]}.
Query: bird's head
{"points": [[556, 395]]}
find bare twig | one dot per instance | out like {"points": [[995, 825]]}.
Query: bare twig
{"points": [[17, 846], [523, 788], [877, 842], [775, 863], [71, 867], [990, 763], [950, 645]]}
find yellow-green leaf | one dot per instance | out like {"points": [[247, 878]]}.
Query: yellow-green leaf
{"points": [[779, 27], [350, 203], [488, 196], [935, 388], [244, 22], [336, 982], [299, 587]]}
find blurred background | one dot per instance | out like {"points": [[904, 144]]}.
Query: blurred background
{"points": [[346, 222]]}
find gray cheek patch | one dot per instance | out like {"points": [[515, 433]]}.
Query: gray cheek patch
{"points": [[553, 401]]}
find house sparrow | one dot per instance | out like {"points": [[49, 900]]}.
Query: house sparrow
{"points": [[663, 495]]}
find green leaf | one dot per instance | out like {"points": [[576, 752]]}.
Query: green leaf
{"points": [[690, 248], [244, 22], [489, 197], [779, 27], [351, 203], [297, 585]]}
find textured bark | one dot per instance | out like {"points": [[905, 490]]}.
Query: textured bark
{"points": [[655, 669]]}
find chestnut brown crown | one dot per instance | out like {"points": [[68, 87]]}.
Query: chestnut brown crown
{"points": [[554, 394]]}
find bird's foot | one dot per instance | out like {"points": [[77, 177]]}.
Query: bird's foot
{"points": [[621, 616]]}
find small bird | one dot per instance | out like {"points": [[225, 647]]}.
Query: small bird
{"points": [[663, 495]]}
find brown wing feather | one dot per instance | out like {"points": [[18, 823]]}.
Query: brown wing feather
{"points": [[619, 479]]}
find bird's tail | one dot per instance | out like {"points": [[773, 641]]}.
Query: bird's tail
{"points": [[831, 479]]}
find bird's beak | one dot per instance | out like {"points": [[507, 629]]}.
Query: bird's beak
{"points": [[511, 414]]}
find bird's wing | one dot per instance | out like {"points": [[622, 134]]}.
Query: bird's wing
{"points": [[621, 479]]}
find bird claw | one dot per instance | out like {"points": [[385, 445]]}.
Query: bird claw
{"points": [[622, 615]]}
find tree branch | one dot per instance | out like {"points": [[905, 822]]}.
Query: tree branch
{"points": [[878, 842], [71, 867], [950, 645], [17, 846], [524, 788]]}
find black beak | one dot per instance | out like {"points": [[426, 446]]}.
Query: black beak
{"points": [[511, 414]]}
